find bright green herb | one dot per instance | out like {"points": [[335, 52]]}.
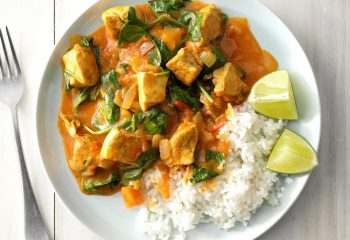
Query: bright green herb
{"points": [[130, 33], [215, 155], [110, 82], [112, 181], [104, 131], [83, 95], [143, 161], [193, 23], [205, 92], [109, 112], [166, 6], [160, 54], [67, 75], [201, 174], [155, 121], [187, 95], [85, 42], [131, 124], [132, 174], [134, 29], [146, 159]]}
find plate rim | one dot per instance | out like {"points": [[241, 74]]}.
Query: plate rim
{"points": [[39, 93]]}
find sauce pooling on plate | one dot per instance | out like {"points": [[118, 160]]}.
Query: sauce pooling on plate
{"points": [[150, 89]]}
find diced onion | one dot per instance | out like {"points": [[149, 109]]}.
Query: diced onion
{"points": [[164, 149], [130, 96], [208, 58]]}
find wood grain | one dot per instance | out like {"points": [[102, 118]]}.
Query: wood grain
{"points": [[323, 29], [32, 34]]}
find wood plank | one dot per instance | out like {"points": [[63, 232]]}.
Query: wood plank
{"points": [[18, 15], [322, 210]]}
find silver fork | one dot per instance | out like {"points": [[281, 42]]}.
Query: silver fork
{"points": [[11, 91]]}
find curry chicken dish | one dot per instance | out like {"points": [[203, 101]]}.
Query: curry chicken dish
{"points": [[150, 89]]}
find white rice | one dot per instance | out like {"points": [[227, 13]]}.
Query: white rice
{"points": [[239, 192]]}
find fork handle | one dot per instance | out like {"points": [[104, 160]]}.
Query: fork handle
{"points": [[33, 224]]}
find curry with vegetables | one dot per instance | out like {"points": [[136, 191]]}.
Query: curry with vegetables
{"points": [[150, 89]]}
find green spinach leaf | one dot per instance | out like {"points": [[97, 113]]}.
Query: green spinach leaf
{"points": [[217, 156], [83, 95], [112, 181], [201, 174], [204, 91], [109, 112], [143, 161], [193, 23], [159, 55], [146, 159], [155, 121], [110, 82], [166, 6], [187, 95]]}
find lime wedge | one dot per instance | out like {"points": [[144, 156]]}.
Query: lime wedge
{"points": [[292, 154], [273, 96]]}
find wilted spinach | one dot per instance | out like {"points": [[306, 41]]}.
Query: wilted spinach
{"points": [[143, 161], [159, 55], [112, 181], [193, 23], [217, 156], [204, 91], [166, 6], [109, 112], [134, 29], [187, 95], [201, 174], [155, 121]]}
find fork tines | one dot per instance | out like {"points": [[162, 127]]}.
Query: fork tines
{"points": [[6, 66]]}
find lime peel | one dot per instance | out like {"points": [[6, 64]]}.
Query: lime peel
{"points": [[273, 96], [292, 154]]}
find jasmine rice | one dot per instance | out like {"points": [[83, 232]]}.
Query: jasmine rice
{"points": [[235, 195]]}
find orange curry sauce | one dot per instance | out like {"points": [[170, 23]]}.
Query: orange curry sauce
{"points": [[238, 44]]}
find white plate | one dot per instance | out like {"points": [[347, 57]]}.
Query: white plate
{"points": [[107, 216]]}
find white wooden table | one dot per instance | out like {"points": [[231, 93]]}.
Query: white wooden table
{"points": [[323, 29]]}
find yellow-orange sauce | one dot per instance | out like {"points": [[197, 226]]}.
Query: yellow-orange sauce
{"points": [[238, 44]]}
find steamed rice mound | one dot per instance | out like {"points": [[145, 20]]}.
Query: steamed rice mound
{"points": [[233, 197]]}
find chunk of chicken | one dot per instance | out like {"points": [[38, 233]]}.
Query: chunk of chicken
{"points": [[71, 124], [81, 63], [113, 19], [151, 89], [186, 66], [211, 26], [121, 146], [183, 144], [227, 82], [85, 155]]}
